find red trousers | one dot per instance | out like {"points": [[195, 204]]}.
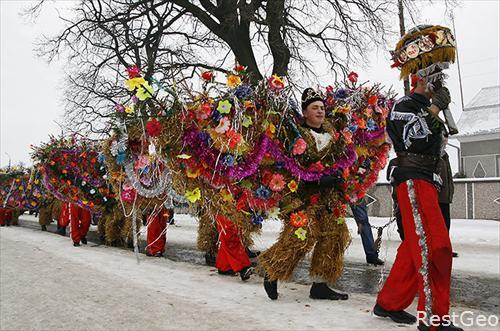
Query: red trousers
{"points": [[157, 232], [5, 216], [423, 261], [64, 217], [80, 219], [231, 254]]}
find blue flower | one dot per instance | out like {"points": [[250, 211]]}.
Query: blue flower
{"points": [[257, 219], [263, 192], [279, 164], [120, 158], [341, 94], [353, 128], [366, 164], [370, 125], [216, 116], [101, 158], [228, 160], [243, 92], [205, 138]]}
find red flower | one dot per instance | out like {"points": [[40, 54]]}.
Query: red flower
{"points": [[313, 200], [239, 68], [153, 127], [298, 219], [207, 76], [372, 101], [353, 77], [317, 167], [133, 71]]}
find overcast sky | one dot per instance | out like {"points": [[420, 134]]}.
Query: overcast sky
{"points": [[31, 89]]}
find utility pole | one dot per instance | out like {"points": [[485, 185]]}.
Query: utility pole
{"points": [[402, 31], [458, 62]]}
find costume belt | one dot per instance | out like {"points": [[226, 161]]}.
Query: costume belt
{"points": [[425, 162]]}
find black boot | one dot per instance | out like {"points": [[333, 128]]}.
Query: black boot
{"points": [[44, 228], [245, 273], [399, 316], [76, 244], [84, 240], [454, 254], [321, 291], [210, 259], [252, 254], [271, 288], [376, 261]]}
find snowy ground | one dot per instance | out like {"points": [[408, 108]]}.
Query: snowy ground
{"points": [[45, 283]]}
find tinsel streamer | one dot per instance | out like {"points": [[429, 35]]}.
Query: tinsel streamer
{"points": [[134, 233], [8, 194], [424, 269], [364, 137]]}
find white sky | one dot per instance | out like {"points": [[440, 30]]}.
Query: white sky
{"points": [[30, 96]]}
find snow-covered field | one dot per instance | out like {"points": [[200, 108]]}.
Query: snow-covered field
{"points": [[46, 284]]}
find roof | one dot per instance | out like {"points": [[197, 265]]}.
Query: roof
{"points": [[482, 114]]}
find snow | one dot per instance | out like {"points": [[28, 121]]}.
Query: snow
{"points": [[48, 284]]}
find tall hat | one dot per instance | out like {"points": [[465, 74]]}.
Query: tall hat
{"points": [[425, 51]]}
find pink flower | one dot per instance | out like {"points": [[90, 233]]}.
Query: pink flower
{"points": [[204, 111], [352, 77], [277, 183], [223, 125], [299, 147], [128, 194], [133, 71]]}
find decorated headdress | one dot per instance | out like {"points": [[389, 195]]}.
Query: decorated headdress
{"points": [[309, 96], [425, 51]]}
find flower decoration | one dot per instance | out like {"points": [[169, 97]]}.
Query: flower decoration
{"points": [[223, 125], [134, 83], [277, 183], [193, 173], [273, 213], [372, 100], [276, 83], [292, 185], [299, 147], [129, 110], [243, 92], [193, 195], [119, 108], [298, 219], [204, 112], [144, 92], [234, 138], [353, 77], [207, 76], [317, 167], [246, 121], [257, 219], [227, 160], [263, 193], [153, 127], [301, 233], [128, 193], [233, 81], [224, 107], [226, 195], [133, 71]]}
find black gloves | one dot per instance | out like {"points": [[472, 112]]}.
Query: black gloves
{"points": [[441, 98]]}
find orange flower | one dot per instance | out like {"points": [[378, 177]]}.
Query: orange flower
{"points": [[298, 219], [233, 80]]}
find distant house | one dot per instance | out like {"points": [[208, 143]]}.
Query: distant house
{"points": [[479, 134]]}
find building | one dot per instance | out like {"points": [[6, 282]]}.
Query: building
{"points": [[479, 135]]}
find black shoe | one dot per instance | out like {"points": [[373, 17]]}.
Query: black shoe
{"points": [[2, 224], [226, 272], [245, 273], [454, 254], [44, 228], [84, 240], [321, 291], [271, 287], [399, 316], [76, 244], [252, 254], [376, 261], [159, 254], [210, 259]]}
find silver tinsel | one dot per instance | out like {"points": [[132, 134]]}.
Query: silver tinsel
{"points": [[424, 269]]}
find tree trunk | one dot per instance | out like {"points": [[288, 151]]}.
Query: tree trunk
{"points": [[402, 31]]}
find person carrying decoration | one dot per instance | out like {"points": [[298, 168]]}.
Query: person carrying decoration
{"points": [[157, 222], [424, 258], [326, 233]]}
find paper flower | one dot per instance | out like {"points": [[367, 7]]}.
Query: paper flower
{"points": [[192, 173], [299, 147], [277, 183], [276, 83], [129, 110], [223, 125], [273, 213], [313, 199], [239, 68], [370, 125], [234, 138], [193, 195], [352, 77], [233, 80], [372, 100], [263, 193], [226, 195], [227, 160], [134, 83], [153, 127], [292, 185], [298, 219], [224, 107], [207, 76], [120, 158], [119, 108], [133, 71], [204, 112], [246, 121], [128, 193], [316, 167], [257, 219], [271, 130], [144, 92], [301, 233]]}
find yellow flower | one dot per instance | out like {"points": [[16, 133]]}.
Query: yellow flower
{"points": [[193, 195], [224, 107], [247, 121], [226, 195], [292, 185], [144, 92], [134, 83], [193, 173], [301, 233], [233, 80], [129, 110]]}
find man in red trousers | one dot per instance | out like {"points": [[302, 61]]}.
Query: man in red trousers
{"points": [[157, 231], [79, 218], [232, 256]]}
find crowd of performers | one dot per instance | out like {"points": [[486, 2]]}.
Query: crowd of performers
{"points": [[420, 177]]}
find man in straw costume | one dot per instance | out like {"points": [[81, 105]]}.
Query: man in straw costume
{"points": [[424, 258]]}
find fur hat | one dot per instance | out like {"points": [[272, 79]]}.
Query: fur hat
{"points": [[309, 96]]}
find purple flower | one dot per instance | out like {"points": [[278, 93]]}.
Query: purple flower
{"points": [[205, 137], [341, 94], [228, 160], [216, 116], [263, 193], [119, 108], [242, 92], [135, 99], [257, 219]]}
